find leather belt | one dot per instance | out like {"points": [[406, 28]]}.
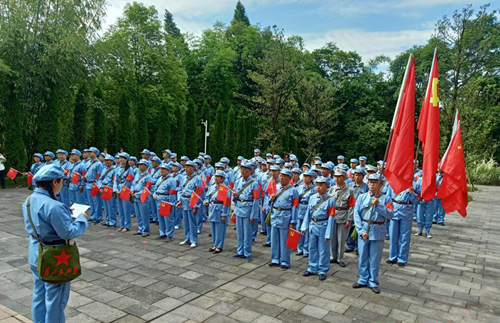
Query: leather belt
{"points": [[280, 208], [399, 202], [318, 220], [345, 208], [162, 194], [186, 196], [215, 203], [305, 203], [373, 222], [245, 200]]}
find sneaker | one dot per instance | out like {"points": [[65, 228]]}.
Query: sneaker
{"points": [[183, 242], [198, 231], [283, 268], [176, 227], [307, 273], [193, 245], [429, 235], [418, 234], [272, 264], [322, 277]]}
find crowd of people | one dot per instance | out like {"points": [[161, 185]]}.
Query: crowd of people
{"points": [[336, 208]]}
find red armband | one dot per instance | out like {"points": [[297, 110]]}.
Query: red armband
{"points": [[84, 173], [389, 206], [113, 179], [331, 211], [227, 202], [98, 176], [148, 184], [255, 194], [172, 192], [231, 185], [199, 190], [352, 201], [295, 202]]}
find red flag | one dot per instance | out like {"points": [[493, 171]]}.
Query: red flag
{"points": [[165, 208], [129, 177], [428, 133], [94, 191], [145, 194], [222, 193], [12, 173], [194, 199], [84, 173], [271, 187], [203, 182], [74, 180], [293, 239], [30, 178], [453, 188], [107, 192], [233, 218], [125, 193], [399, 169]]}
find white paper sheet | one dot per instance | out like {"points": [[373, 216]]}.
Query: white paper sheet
{"points": [[77, 209]]}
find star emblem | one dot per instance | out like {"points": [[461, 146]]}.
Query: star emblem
{"points": [[459, 147], [62, 258]]}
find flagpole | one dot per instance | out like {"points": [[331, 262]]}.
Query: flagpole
{"points": [[377, 192]]}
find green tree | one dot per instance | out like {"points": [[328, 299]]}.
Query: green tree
{"points": [[169, 25], [217, 135], [241, 136], [15, 151], [192, 132], [49, 119], [80, 117], [162, 139], [179, 142], [230, 142], [141, 134], [240, 14], [100, 138], [125, 132]]}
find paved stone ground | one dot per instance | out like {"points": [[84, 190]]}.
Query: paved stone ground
{"points": [[453, 277]]}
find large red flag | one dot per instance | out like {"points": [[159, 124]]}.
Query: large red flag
{"points": [[12, 173], [399, 169], [125, 193], [428, 133], [107, 193], [453, 188], [145, 194]]}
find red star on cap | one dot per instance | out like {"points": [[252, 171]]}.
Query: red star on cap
{"points": [[62, 258]]}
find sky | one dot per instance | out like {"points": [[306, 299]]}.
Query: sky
{"points": [[369, 27]]}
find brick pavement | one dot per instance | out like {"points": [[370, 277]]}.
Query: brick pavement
{"points": [[453, 277]]}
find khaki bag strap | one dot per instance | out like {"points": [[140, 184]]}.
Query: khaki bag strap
{"points": [[187, 182], [316, 207], [28, 207], [245, 186], [305, 192]]}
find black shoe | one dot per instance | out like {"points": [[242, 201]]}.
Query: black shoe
{"points": [[238, 256], [434, 222], [387, 238], [441, 224], [265, 245], [349, 250], [388, 261], [105, 224], [217, 251], [209, 235], [161, 237], [151, 221], [299, 253], [157, 222], [322, 277], [283, 267], [342, 264], [357, 285], [97, 222], [211, 249], [263, 233], [307, 274], [376, 290], [333, 261], [401, 264], [272, 264]]}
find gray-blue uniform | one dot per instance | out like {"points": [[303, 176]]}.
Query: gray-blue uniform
{"points": [[155, 175], [106, 180], [165, 190], [66, 166], [53, 224], [371, 219], [94, 170], [35, 167], [352, 244], [74, 189], [142, 210], [188, 185], [284, 213], [246, 205], [318, 222], [124, 207], [217, 211], [305, 193]]}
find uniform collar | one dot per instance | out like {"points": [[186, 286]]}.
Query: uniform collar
{"points": [[41, 191]]}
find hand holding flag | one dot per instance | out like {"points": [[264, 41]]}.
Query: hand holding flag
{"points": [[165, 208], [145, 194], [125, 193], [194, 199], [107, 192]]}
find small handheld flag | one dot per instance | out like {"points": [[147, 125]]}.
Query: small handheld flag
{"points": [[30, 178], [129, 177], [293, 239], [94, 191], [125, 193], [145, 194], [12, 173], [165, 208], [107, 192], [194, 199], [74, 179]]}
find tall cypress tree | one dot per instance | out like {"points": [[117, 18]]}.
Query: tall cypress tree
{"points": [[79, 117], [191, 132], [169, 25], [14, 146], [162, 140], [100, 131], [49, 119], [241, 136], [240, 14], [141, 135], [217, 135], [124, 133], [179, 143], [230, 142]]}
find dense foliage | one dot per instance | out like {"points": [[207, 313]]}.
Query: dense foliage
{"points": [[145, 83]]}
